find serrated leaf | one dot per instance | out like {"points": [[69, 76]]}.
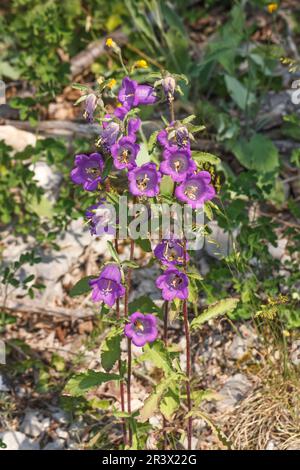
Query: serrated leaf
{"points": [[111, 349], [81, 383], [205, 157], [170, 403], [158, 355], [152, 402], [220, 308], [81, 287]]}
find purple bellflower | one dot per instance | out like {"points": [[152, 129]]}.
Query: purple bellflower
{"points": [[174, 284], [144, 180], [107, 287], [177, 163], [170, 252], [196, 189], [124, 153], [88, 170], [142, 328]]}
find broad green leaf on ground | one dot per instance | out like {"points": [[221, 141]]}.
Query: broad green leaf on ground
{"points": [[259, 153], [81, 287], [152, 401], [239, 93], [111, 349], [81, 383], [220, 308]]}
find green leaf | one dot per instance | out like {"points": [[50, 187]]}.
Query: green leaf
{"points": [[145, 244], [107, 168], [152, 140], [239, 93], [113, 252], [215, 429], [143, 304], [166, 185], [205, 157], [259, 153], [81, 287], [111, 349], [130, 264], [220, 308], [170, 403], [159, 356], [81, 383], [152, 401]]}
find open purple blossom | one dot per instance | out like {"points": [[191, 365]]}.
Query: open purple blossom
{"points": [[124, 153], [144, 180], [174, 137], [132, 94], [196, 189], [170, 252], [174, 284], [101, 220], [108, 134], [177, 163], [107, 287], [88, 170], [142, 328], [90, 106]]}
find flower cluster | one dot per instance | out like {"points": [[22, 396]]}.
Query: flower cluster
{"points": [[118, 140]]}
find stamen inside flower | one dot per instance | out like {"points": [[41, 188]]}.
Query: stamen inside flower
{"points": [[124, 156], [176, 281], [142, 182], [178, 165], [139, 326], [93, 171], [107, 289], [191, 192]]}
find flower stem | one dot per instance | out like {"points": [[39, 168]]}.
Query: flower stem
{"points": [[171, 108], [165, 339], [129, 359], [122, 394], [188, 360]]}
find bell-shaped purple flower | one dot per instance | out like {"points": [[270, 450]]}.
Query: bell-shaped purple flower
{"points": [[132, 94], [134, 125], [142, 328], [101, 219], [170, 252], [120, 112], [88, 170], [196, 189], [174, 284], [144, 180], [107, 287], [90, 106], [177, 163], [177, 136], [108, 134], [124, 153]]}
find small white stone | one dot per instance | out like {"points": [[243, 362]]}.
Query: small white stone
{"points": [[16, 440]]}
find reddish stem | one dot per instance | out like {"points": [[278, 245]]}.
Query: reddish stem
{"points": [[129, 359], [122, 392], [165, 339], [188, 360]]}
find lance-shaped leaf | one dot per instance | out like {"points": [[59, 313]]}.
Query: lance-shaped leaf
{"points": [[81, 287], [220, 308], [111, 349], [158, 355], [81, 383], [152, 402], [170, 402], [215, 429], [113, 252]]}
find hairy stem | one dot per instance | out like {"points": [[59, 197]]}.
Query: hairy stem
{"points": [[188, 360], [129, 360], [165, 340], [122, 392]]}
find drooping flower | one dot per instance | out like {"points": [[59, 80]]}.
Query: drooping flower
{"points": [[132, 94], [124, 153], [144, 180], [174, 284], [177, 163], [169, 85], [196, 189], [174, 136], [108, 134], [120, 112], [134, 125], [88, 170], [107, 287], [101, 219], [90, 106], [170, 252], [142, 328]]}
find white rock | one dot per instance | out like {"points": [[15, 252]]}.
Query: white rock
{"points": [[58, 444], [295, 352], [234, 390], [237, 348], [3, 384], [16, 138], [16, 440], [47, 178], [32, 425]]}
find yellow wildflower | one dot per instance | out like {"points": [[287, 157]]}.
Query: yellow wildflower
{"points": [[272, 7], [141, 64], [111, 83], [109, 42]]}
